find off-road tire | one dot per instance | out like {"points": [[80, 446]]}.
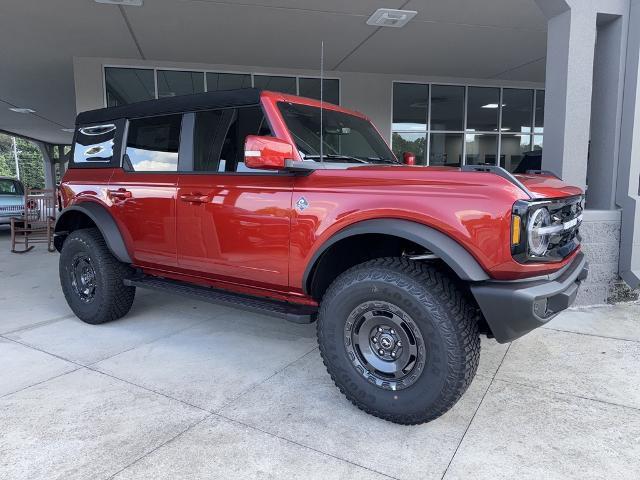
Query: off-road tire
{"points": [[111, 299], [441, 310]]}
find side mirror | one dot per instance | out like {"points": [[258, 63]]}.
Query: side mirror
{"points": [[409, 158], [266, 152]]}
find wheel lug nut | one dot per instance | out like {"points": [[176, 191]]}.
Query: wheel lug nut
{"points": [[374, 340], [393, 354], [379, 329], [399, 343], [381, 352], [392, 331]]}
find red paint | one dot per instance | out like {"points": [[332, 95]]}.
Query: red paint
{"points": [[242, 232], [409, 158]]}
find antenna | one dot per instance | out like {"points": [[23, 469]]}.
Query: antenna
{"points": [[321, 98]]}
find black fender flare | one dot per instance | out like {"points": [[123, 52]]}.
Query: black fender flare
{"points": [[449, 250], [105, 223]]}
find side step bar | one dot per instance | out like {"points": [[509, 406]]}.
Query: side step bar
{"points": [[288, 311]]}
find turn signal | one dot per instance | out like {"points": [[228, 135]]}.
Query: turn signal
{"points": [[516, 227]]}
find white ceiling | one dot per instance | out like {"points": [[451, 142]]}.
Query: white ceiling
{"points": [[500, 39]]}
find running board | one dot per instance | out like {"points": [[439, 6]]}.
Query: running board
{"points": [[289, 311]]}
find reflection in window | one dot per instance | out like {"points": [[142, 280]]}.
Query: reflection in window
{"points": [[172, 83], [517, 110], [447, 107], [227, 81], [310, 88], [483, 109], [513, 149], [275, 83], [410, 106], [152, 144], [445, 149], [128, 85], [481, 149], [415, 143], [539, 126]]}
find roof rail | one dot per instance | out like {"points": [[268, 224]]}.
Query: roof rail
{"points": [[542, 172], [501, 172]]}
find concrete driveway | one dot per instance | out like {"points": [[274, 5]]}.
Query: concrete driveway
{"points": [[181, 389]]}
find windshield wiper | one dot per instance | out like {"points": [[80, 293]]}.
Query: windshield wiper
{"points": [[382, 160], [332, 156]]}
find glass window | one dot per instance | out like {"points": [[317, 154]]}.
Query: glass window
{"points": [[275, 83], [481, 149], [447, 107], [10, 187], [513, 149], [128, 85], [346, 138], [310, 88], [94, 144], [537, 142], [415, 143], [410, 106], [445, 149], [517, 110], [219, 135], [539, 126], [227, 81], [172, 83], [482, 109], [152, 144]]}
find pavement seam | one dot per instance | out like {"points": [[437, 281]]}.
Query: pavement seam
{"points": [[258, 384], [40, 382], [307, 447], [591, 335], [566, 394], [475, 413], [39, 324]]}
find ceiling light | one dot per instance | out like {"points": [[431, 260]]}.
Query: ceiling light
{"points": [[492, 105], [389, 17], [69, 130], [126, 3], [22, 110]]}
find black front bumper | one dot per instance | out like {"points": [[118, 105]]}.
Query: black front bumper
{"points": [[514, 308]]}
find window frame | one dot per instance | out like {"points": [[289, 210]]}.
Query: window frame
{"points": [[116, 159], [429, 131]]}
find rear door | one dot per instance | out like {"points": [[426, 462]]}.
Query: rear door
{"points": [[232, 222], [142, 192]]}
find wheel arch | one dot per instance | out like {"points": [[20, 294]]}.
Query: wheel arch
{"points": [[91, 214], [454, 255]]}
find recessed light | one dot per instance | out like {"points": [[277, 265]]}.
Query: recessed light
{"points": [[492, 105], [22, 110], [389, 17], [69, 130], [126, 3]]}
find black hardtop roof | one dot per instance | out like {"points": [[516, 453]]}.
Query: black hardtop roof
{"points": [[179, 104]]}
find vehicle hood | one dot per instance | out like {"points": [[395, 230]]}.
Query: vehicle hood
{"points": [[547, 186], [7, 200]]}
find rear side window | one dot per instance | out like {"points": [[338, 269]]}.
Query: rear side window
{"points": [[10, 187], [219, 135], [153, 144], [97, 145]]}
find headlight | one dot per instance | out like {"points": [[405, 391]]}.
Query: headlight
{"points": [[537, 240]]}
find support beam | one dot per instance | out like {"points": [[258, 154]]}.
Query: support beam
{"points": [[49, 165]]}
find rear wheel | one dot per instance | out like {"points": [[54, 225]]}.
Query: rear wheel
{"points": [[399, 338], [92, 278]]}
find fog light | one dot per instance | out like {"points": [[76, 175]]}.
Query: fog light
{"points": [[540, 307]]}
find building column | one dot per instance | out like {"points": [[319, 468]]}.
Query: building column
{"points": [[628, 182], [571, 39], [49, 165]]}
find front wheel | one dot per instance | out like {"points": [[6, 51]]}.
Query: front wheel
{"points": [[92, 278], [399, 338]]}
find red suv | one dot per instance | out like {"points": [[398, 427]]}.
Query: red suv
{"points": [[286, 206]]}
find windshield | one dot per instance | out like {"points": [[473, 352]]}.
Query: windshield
{"points": [[10, 187], [346, 138]]}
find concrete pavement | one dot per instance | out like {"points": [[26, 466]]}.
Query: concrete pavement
{"points": [[182, 389]]}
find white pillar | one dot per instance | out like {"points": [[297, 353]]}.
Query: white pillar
{"points": [[49, 166]]}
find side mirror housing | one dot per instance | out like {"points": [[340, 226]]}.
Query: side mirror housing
{"points": [[409, 158], [268, 153]]}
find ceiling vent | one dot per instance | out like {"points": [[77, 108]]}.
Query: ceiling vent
{"points": [[126, 3], [389, 17]]}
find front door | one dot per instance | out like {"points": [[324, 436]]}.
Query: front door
{"points": [[143, 192], [232, 222]]}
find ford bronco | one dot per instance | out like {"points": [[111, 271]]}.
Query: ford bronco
{"points": [[291, 207]]}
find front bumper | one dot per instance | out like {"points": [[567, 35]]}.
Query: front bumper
{"points": [[514, 308]]}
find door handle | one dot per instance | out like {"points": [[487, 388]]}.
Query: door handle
{"points": [[195, 198], [120, 194]]}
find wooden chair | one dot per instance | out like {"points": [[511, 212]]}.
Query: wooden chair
{"points": [[36, 224]]}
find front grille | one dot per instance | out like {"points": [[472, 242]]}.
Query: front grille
{"points": [[12, 208], [568, 213]]}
